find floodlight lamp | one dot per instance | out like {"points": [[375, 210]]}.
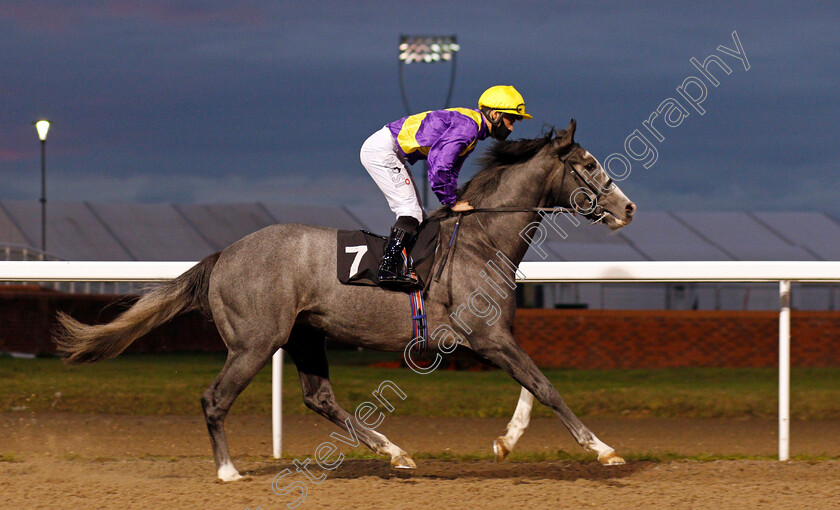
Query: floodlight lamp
{"points": [[426, 48], [42, 126]]}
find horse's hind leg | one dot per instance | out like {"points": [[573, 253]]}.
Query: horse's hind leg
{"points": [[307, 349], [503, 445], [243, 363]]}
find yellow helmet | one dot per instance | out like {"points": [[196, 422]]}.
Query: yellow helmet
{"points": [[504, 98]]}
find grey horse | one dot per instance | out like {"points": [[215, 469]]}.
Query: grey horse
{"points": [[277, 288]]}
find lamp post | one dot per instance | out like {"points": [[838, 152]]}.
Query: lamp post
{"points": [[427, 49], [43, 126]]}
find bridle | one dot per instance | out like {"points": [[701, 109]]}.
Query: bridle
{"points": [[593, 199]]}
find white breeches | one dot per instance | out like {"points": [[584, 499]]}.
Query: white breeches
{"points": [[391, 173]]}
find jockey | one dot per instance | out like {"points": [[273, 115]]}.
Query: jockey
{"points": [[444, 138]]}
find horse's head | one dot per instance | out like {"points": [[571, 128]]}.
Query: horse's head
{"points": [[578, 181]]}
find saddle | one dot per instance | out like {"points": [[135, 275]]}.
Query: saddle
{"points": [[358, 255], [359, 252]]}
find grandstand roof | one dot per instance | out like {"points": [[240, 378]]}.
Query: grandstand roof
{"points": [[90, 231]]}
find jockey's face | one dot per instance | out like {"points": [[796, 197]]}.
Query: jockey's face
{"points": [[502, 124], [509, 120]]}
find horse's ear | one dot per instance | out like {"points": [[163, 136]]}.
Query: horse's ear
{"points": [[565, 138]]}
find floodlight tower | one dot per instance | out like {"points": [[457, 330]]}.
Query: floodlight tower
{"points": [[427, 49], [43, 126]]}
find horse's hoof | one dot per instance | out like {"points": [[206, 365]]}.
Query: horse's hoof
{"points": [[500, 449], [610, 459], [231, 478], [403, 462], [228, 473]]}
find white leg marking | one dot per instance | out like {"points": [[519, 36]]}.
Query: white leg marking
{"points": [[502, 446], [606, 455], [228, 473], [521, 418], [399, 458]]}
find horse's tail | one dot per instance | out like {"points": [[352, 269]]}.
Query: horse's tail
{"points": [[80, 343]]}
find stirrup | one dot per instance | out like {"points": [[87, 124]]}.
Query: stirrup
{"points": [[398, 282], [390, 276]]}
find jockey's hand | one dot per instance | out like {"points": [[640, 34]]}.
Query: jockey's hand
{"points": [[462, 206]]}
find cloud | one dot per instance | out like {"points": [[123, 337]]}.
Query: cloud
{"points": [[197, 100], [61, 17], [8, 155]]}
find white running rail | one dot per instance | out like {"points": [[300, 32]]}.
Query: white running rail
{"points": [[783, 272]]}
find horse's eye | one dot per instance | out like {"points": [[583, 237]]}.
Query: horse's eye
{"points": [[590, 166]]}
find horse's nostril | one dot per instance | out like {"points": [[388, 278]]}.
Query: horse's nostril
{"points": [[630, 209]]}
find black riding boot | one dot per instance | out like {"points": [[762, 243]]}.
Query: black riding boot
{"points": [[391, 270]]}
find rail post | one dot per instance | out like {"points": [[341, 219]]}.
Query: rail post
{"points": [[277, 403], [784, 370]]}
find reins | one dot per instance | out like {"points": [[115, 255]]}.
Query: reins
{"points": [[461, 214], [517, 209], [565, 160]]}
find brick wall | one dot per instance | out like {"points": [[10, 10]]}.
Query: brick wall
{"points": [[27, 318], [651, 339], [554, 338]]}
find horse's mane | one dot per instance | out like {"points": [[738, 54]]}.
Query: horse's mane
{"points": [[496, 161]]}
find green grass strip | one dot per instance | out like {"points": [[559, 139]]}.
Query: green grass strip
{"points": [[172, 384]]}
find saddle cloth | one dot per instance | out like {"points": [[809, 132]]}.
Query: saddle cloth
{"points": [[359, 252]]}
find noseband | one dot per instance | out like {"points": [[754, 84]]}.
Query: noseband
{"points": [[595, 193]]}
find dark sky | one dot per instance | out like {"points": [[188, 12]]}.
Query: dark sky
{"points": [[212, 101]]}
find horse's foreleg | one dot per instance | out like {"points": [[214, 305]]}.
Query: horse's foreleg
{"points": [[309, 354], [503, 445], [509, 356]]}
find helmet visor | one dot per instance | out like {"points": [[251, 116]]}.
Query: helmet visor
{"points": [[519, 111]]}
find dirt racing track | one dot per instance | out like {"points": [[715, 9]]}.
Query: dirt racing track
{"points": [[55, 460]]}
